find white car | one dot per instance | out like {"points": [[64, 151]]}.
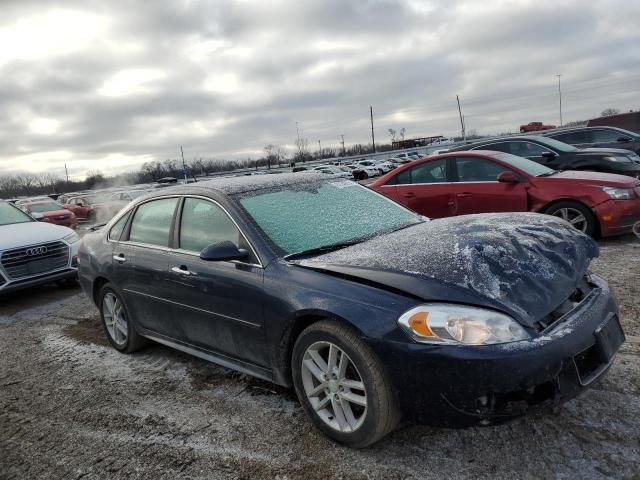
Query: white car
{"points": [[332, 170], [33, 253], [384, 165], [372, 166]]}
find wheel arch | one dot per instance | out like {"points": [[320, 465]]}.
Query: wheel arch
{"points": [[545, 208], [98, 283], [301, 320]]}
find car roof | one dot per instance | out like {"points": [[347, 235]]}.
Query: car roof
{"points": [[585, 127], [243, 184]]}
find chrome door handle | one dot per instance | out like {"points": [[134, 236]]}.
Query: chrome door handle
{"points": [[463, 195], [183, 271], [119, 258]]}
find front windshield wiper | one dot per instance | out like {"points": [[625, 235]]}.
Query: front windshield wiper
{"points": [[547, 174], [322, 249]]}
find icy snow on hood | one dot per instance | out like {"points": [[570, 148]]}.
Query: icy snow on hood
{"points": [[527, 262]]}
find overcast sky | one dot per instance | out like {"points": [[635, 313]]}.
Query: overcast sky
{"points": [[109, 85]]}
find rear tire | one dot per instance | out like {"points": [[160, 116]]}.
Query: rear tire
{"points": [[350, 397], [116, 322], [577, 214]]}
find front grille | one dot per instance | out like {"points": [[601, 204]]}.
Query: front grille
{"points": [[555, 317], [35, 259]]}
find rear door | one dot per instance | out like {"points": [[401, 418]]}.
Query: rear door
{"points": [[426, 189], [142, 258], [477, 189], [218, 304]]}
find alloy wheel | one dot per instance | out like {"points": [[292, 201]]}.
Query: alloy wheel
{"points": [[114, 318], [574, 216], [334, 387]]}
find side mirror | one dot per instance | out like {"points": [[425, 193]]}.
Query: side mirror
{"points": [[508, 177], [37, 216], [223, 251], [548, 155], [78, 204]]}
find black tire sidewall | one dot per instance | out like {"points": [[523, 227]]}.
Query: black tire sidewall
{"points": [[362, 436], [108, 288], [592, 223]]}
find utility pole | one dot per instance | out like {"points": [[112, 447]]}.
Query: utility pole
{"points": [[560, 96], [184, 165], [66, 172], [319, 149], [298, 134], [464, 133], [344, 152], [373, 138]]}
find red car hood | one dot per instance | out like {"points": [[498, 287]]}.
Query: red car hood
{"points": [[595, 178]]}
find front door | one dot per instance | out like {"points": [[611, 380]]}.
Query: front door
{"points": [[477, 189], [218, 304]]}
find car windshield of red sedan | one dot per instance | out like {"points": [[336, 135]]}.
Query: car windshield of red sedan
{"points": [[10, 215], [527, 166], [298, 218], [45, 207]]}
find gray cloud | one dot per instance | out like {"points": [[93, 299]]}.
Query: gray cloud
{"points": [[223, 78]]}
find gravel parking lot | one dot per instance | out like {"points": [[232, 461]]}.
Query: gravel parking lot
{"points": [[72, 407]]}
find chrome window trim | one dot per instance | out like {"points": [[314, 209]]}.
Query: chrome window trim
{"points": [[179, 250]]}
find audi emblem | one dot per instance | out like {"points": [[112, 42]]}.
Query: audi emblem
{"points": [[36, 251]]}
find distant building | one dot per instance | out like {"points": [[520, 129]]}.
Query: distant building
{"points": [[628, 121]]}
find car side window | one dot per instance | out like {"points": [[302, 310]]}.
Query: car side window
{"points": [[527, 149], [203, 223], [607, 136], [152, 222], [574, 138], [473, 169], [429, 172], [497, 147], [116, 231]]}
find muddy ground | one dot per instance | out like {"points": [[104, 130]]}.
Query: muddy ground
{"points": [[72, 407]]}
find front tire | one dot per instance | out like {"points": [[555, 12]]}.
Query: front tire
{"points": [[342, 385], [576, 214], [116, 322]]}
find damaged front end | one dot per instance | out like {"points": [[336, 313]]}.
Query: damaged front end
{"points": [[460, 386]]}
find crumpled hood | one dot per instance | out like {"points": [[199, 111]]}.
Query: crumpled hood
{"points": [[526, 263]]}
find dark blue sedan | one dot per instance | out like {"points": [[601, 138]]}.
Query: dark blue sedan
{"points": [[368, 310]]}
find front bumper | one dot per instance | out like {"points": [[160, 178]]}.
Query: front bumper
{"points": [[458, 386], [617, 216], [70, 270]]}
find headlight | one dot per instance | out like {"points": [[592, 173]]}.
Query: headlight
{"points": [[620, 159], [457, 324], [72, 238], [619, 193]]}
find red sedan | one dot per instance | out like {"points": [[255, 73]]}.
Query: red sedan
{"points": [[50, 212], [460, 183]]}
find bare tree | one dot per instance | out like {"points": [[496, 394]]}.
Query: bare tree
{"points": [[392, 134], [302, 144], [402, 131], [607, 112]]}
